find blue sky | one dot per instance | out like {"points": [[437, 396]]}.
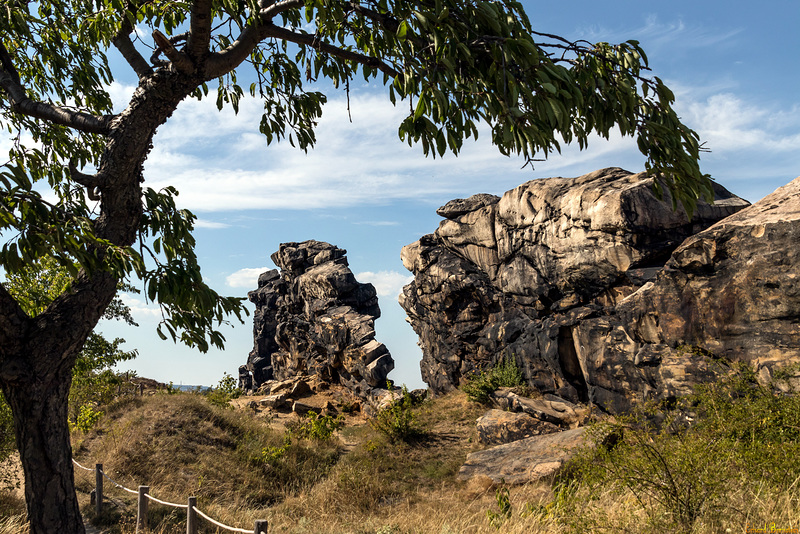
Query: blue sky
{"points": [[732, 65]]}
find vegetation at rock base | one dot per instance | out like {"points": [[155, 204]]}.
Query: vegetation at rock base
{"points": [[225, 391], [480, 386], [724, 458], [397, 422]]}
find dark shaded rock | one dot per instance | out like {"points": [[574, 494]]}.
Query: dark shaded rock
{"points": [[519, 278], [273, 401], [525, 460], [313, 318], [302, 408], [499, 426]]}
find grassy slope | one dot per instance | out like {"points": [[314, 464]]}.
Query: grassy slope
{"points": [[361, 483]]}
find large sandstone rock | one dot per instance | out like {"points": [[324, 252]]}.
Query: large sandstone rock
{"points": [[525, 460], [517, 276], [313, 318], [731, 292], [496, 427]]}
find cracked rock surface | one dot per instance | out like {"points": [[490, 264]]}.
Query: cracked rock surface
{"points": [[314, 318], [595, 287]]}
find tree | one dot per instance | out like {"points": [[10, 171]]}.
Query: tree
{"points": [[455, 62], [35, 287]]}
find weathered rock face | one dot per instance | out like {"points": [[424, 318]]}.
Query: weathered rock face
{"points": [[314, 318], [732, 291], [516, 276], [525, 460]]}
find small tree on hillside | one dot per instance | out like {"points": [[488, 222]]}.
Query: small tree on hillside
{"points": [[454, 62]]}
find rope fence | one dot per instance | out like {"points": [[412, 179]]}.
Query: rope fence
{"points": [[143, 498]]}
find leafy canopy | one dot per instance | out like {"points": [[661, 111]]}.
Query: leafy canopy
{"points": [[454, 63]]}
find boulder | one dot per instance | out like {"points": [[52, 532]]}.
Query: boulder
{"points": [[548, 407], [302, 408], [526, 460], [538, 275], [499, 426], [314, 319], [273, 401]]}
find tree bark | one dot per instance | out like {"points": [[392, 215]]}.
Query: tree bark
{"points": [[40, 423]]}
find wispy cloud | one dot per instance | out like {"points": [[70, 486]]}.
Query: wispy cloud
{"points": [[378, 223], [245, 278], [387, 283], [657, 33], [205, 223], [730, 124]]}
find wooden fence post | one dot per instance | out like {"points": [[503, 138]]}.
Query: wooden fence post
{"points": [[261, 526], [141, 514], [98, 488], [191, 516]]}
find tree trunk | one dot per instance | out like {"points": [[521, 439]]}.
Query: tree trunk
{"points": [[40, 423]]}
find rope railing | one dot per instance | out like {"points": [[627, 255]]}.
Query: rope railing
{"points": [[220, 525], [144, 496], [117, 484], [165, 503]]}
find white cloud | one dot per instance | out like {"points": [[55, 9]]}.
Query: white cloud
{"points": [[140, 308], [729, 124], [222, 164], [204, 223], [387, 283], [246, 278]]}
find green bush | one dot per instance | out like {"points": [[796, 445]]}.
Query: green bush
{"points": [[397, 421], [680, 463], [225, 391], [479, 387], [88, 416], [318, 427]]}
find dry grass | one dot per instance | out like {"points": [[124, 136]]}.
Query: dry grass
{"points": [[362, 484]]}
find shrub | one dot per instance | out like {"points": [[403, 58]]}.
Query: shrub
{"points": [[88, 416], [225, 391], [318, 427], [396, 421], [680, 463], [479, 387]]}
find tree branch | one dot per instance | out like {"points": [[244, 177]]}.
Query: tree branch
{"points": [[199, 30], [387, 22], [348, 55], [125, 46], [90, 181], [20, 103], [179, 60], [270, 10], [226, 60]]}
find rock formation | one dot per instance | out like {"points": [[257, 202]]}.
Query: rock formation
{"points": [[314, 318], [538, 275], [731, 292]]}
